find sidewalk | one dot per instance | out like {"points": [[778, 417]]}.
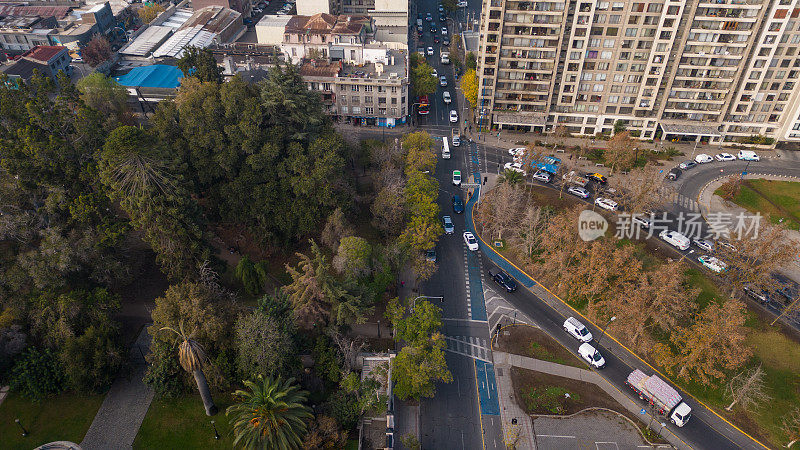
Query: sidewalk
{"points": [[509, 409], [118, 420]]}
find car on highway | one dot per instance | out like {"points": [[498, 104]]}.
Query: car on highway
{"points": [[606, 203], [456, 140], [458, 204], [516, 167], [456, 178], [724, 157], [446, 43], [430, 51], [463, 4], [430, 255], [542, 176], [433, 29], [600, 178], [447, 222], [574, 327], [442, 81], [703, 244], [446, 97], [517, 152], [453, 116], [748, 155], [579, 191], [760, 295], [428, 17], [502, 278], [674, 239], [442, 18], [712, 263], [591, 355], [472, 243], [686, 165], [702, 158], [444, 31], [435, 73]]}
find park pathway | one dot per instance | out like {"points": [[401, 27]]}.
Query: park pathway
{"points": [[117, 422]]}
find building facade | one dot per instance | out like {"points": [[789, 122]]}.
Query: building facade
{"points": [[711, 70]]}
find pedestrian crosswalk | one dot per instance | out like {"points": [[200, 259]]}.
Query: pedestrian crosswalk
{"points": [[470, 346], [668, 195], [501, 312]]}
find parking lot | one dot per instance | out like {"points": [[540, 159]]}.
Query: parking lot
{"points": [[593, 429]]}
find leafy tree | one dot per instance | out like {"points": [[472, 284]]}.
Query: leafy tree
{"points": [[164, 374], [353, 258], [469, 86], [12, 343], [790, 425], [417, 369], [193, 359], [388, 210], [620, 152], [343, 407], [92, 360], [619, 126], [336, 227], [262, 347], [200, 63], [106, 96], [96, 51], [410, 442], [324, 433], [422, 80], [37, 374], [421, 233], [56, 318], [419, 325], [271, 414], [326, 363], [253, 276], [149, 12], [511, 177], [472, 61]]}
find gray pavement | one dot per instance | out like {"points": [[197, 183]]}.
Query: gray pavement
{"points": [[594, 428], [118, 420]]}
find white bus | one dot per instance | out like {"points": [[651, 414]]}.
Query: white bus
{"points": [[445, 149]]}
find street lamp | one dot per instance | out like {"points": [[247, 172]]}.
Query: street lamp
{"points": [[413, 302], [613, 318], [216, 435], [24, 431]]}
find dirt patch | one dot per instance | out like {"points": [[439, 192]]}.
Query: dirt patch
{"points": [[534, 343], [540, 393]]}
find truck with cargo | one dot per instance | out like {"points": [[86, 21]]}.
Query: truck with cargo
{"points": [[660, 395]]}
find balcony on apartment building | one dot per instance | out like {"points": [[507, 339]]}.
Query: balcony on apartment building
{"points": [[730, 3], [726, 14]]}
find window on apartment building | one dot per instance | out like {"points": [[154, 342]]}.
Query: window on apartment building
{"points": [[769, 39], [586, 77], [606, 55], [617, 6], [672, 10], [599, 18], [631, 89], [577, 44], [781, 97], [616, 89], [566, 99], [367, 100], [602, 6], [580, 32], [382, 111], [394, 100], [654, 7], [368, 88], [765, 108], [781, 74], [613, 99], [403, 110], [355, 99], [344, 109], [615, 18], [788, 86], [754, 75], [600, 77], [621, 67], [633, 20], [624, 56], [612, 31], [598, 88], [368, 110], [354, 88], [594, 42], [591, 54], [661, 47], [575, 55], [602, 66], [394, 89]]}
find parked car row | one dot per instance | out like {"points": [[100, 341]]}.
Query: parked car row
{"points": [[703, 158]]}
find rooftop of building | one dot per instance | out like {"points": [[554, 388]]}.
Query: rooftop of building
{"points": [[391, 64], [23, 68], [327, 24], [19, 22], [44, 53], [213, 19], [271, 20], [155, 76], [320, 68], [13, 10]]}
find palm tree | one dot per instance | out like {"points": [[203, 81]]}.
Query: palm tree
{"points": [[271, 415], [511, 177], [193, 358]]}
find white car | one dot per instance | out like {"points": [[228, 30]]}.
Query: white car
{"points": [[516, 167], [435, 73], [453, 116], [725, 157], [574, 327], [456, 140], [462, 4], [591, 355], [544, 177], [643, 220], [446, 97], [748, 155], [702, 158], [703, 244], [443, 81], [606, 203], [712, 263], [430, 51], [472, 243], [456, 178], [579, 191], [674, 239], [517, 152], [444, 31]]}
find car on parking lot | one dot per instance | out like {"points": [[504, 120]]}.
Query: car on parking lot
{"points": [[574, 327], [442, 81], [591, 355], [446, 97], [430, 51], [606, 203], [748, 155], [725, 157], [760, 295], [435, 73], [542, 176], [435, 39], [712, 263], [446, 43], [702, 158], [600, 178], [456, 178], [453, 116], [502, 278], [675, 239], [472, 243], [516, 167], [686, 165], [433, 29], [579, 191], [458, 204], [643, 220], [447, 222], [674, 173], [430, 255], [703, 244], [517, 152]]}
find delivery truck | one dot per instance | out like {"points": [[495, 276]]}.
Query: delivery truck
{"points": [[660, 395]]}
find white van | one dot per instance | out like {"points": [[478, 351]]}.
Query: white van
{"points": [[748, 155], [675, 239], [445, 57], [577, 330], [445, 149]]}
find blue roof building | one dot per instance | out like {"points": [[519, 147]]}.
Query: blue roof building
{"points": [[155, 76]]}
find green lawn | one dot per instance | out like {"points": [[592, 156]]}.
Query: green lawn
{"points": [[65, 417], [182, 423], [708, 290], [778, 199]]}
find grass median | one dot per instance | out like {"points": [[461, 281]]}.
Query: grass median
{"points": [[780, 200]]}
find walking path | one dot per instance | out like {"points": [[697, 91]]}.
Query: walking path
{"points": [[117, 422]]}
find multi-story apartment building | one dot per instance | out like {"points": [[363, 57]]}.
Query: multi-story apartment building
{"points": [[715, 70], [324, 36], [373, 92]]}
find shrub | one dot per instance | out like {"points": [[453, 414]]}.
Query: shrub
{"points": [[165, 375], [92, 360], [37, 374]]}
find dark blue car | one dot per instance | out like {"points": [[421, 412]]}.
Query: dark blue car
{"points": [[458, 205]]}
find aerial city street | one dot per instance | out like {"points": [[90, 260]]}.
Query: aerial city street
{"points": [[383, 224]]}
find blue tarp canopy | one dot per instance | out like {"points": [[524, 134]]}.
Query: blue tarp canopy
{"points": [[548, 164], [155, 76]]}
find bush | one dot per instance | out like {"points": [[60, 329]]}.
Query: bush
{"points": [[325, 363], [92, 360], [343, 407], [165, 375], [37, 374]]}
